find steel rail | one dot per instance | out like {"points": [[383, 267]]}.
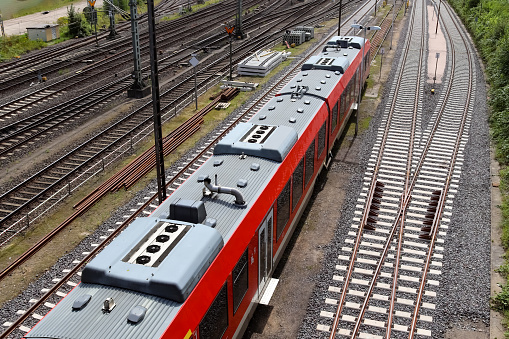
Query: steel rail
{"points": [[121, 56], [36, 58], [441, 203], [406, 193], [210, 67], [369, 198], [404, 205], [91, 160]]}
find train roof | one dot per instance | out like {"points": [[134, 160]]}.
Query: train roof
{"points": [[337, 55], [92, 322]]}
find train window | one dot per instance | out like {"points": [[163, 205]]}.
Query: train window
{"points": [[355, 86], [350, 94], [283, 209], [215, 322], [297, 183], [240, 281], [321, 139], [342, 106], [334, 117], [310, 162]]}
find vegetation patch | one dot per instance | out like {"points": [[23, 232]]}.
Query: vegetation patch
{"points": [[487, 23], [16, 45], [186, 11], [46, 5]]}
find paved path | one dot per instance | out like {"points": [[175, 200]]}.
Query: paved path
{"points": [[436, 44], [19, 25]]}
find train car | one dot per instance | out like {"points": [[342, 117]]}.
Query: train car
{"points": [[199, 264]]}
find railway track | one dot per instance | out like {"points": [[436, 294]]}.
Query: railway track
{"points": [[37, 193], [52, 59], [40, 191], [38, 127], [108, 66], [38, 307], [403, 212]]}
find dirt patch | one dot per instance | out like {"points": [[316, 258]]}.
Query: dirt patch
{"points": [[468, 330]]}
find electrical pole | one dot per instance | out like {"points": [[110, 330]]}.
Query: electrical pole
{"points": [[113, 33], [158, 135], [361, 82], [392, 24], [194, 62], [229, 30], [339, 24], [138, 89], [239, 33], [93, 16]]}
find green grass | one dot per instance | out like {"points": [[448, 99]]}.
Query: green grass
{"points": [[16, 45], [46, 5], [194, 8]]}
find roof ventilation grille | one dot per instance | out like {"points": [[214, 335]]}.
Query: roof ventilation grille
{"points": [[258, 134]]}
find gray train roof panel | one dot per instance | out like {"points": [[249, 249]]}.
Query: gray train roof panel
{"points": [[92, 322], [221, 206], [160, 257], [337, 56], [260, 140], [297, 105]]}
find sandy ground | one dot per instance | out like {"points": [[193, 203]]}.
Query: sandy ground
{"points": [[436, 44], [19, 25]]}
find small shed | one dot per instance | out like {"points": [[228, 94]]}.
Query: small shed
{"points": [[44, 33]]}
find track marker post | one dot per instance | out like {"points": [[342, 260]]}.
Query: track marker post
{"points": [[194, 62], [435, 77]]}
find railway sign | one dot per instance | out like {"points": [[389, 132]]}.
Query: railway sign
{"points": [[91, 3], [229, 30]]}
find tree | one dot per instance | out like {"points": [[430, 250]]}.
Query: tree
{"points": [[77, 26]]}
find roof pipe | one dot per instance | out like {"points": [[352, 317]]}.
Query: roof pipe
{"points": [[239, 199]]}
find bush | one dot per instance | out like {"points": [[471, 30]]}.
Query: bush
{"points": [[16, 45], [500, 302]]}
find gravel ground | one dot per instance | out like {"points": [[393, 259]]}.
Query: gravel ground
{"points": [[463, 295], [463, 299], [366, 142]]}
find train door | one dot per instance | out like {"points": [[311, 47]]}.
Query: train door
{"points": [[328, 147], [265, 251]]}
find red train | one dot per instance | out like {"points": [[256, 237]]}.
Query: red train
{"points": [[198, 266]]}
